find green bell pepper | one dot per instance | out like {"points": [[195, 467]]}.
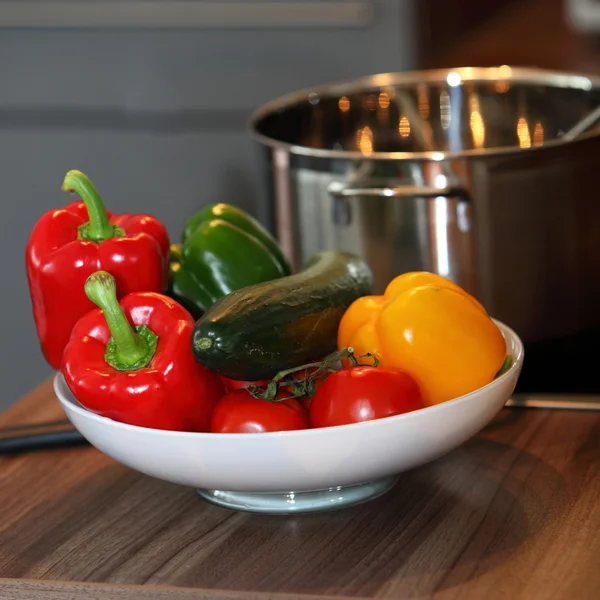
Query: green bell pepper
{"points": [[240, 218], [183, 287], [223, 249]]}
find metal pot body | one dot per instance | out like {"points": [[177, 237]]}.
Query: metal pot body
{"points": [[472, 180]]}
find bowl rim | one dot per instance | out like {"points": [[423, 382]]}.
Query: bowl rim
{"points": [[509, 335], [466, 74]]}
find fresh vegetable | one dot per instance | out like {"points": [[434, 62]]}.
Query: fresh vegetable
{"points": [[240, 218], [293, 386], [231, 385], [68, 244], [131, 361], [222, 258], [239, 412], [184, 288], [424, 325], [255, 332], [364, 393], [223, 249], [506, 365], [414, 279]]}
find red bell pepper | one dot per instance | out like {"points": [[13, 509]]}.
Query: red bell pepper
{"points": [[68, 244], [144, 375]]}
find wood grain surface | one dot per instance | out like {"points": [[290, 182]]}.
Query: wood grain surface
{"points": [[514, 513], [39, 406], [26, 589]]}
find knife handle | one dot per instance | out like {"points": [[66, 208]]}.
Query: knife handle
{"points": [[39, 436]]}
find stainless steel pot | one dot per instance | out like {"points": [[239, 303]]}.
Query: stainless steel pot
{"points": [[465, 172]]}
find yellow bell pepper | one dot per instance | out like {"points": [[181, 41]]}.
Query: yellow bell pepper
{"points": [[430, 327]]}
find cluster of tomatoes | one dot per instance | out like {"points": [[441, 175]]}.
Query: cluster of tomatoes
{"points": [[351, 394]]}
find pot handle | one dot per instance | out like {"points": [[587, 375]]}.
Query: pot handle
{"points": [[341, 190]]}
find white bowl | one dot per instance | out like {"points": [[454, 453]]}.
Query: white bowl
{"points": [[299, 471]]}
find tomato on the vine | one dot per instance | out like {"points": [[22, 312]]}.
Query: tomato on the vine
{"points": [[284, 390], [240, 412], [363, 393], [231, 385]]}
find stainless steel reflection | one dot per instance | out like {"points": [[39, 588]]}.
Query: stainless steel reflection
{"points": [[465, 172]]}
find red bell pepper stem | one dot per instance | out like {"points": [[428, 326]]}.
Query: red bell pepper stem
{"points": [[129, 348], [98, 228]]}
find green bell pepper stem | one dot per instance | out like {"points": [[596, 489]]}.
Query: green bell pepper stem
{"points": [[98, 228], [129, 348]]}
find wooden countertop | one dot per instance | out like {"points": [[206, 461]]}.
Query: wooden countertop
{"points": [[513, 513]]}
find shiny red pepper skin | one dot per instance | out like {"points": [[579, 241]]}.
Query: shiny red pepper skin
{"points": [[58, 264], [172, 392]]}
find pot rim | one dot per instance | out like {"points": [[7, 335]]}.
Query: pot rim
{"points": [[505, 73]]}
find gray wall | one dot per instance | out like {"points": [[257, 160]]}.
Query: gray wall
{"points": [[157, 120]]}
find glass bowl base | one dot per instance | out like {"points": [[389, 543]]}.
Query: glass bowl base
{"points": [[300, 502]]}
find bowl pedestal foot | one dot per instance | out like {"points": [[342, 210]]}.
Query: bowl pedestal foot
{"points": [[300, 502]]}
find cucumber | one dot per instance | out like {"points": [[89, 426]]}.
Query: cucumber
{"points": [[261, 329]]}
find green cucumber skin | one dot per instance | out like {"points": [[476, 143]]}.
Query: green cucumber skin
{"points": [[259, 330]]}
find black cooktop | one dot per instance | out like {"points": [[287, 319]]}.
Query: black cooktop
{"points": [[569, 365]]}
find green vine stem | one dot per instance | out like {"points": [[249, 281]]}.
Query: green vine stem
{"points": [[304, 387]]}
